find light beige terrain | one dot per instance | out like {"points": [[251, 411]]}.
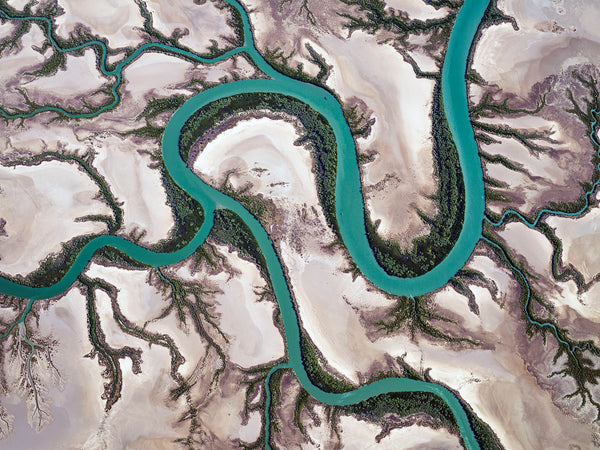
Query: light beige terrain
{"points": [[203, 22], [575, 310], [117, 21], [370, 73], [139, 187], [557, 34], [41, 206], [562, 43], [72, 399], [259, 151], [580, 241], [244, 317], [122, 22], [358, 434], [226, 334], [62, 340], [168, 72], [400, 178], [16, 64], [73, 87]]}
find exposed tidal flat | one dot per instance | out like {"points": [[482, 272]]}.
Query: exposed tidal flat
{"points": [[32, 197], [510, 370], [352, 230], [535, 116]]}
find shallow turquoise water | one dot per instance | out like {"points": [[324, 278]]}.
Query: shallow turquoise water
{"points": [[349, 201]]}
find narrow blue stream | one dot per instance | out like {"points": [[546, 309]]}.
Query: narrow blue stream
{"points": [[532, 224]]}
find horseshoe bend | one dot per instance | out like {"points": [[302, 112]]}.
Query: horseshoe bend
{"points": [[328, 233]]}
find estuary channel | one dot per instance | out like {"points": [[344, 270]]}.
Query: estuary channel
{"points": [[349, 200]]}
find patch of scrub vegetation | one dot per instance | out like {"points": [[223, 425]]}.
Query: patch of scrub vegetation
{"points": [[376, 17], [500, 159], [375, 409], [313, 363], [280, 62], [560, 273], [492, 195], [462, 282], [256, 204], [54, 267], [235, 22], [414, 404], [186, 299], [57, 61], [188, 213], [112, 256], [107, 356], [405, 404], [274, 387], [231, 230], [302, 403], [157, 106], [416, 314]]}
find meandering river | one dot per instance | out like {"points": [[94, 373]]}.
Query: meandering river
{"points": [[349, 200]]}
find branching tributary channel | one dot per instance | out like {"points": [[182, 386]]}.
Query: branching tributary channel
{"points": [[349, 200]]}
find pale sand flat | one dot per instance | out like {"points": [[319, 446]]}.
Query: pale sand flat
{"points": [[75, 400], [502, 58], [40, 205], [115, 20], [401, 105], [242, 316], [66, 87], [205, 22], [134, 183], [416, 9]]}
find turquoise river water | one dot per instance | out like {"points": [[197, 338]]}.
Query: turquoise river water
{"points": [[349, 201]]}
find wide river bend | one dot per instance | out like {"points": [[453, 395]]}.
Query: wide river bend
{"points": [[349, 200]]}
